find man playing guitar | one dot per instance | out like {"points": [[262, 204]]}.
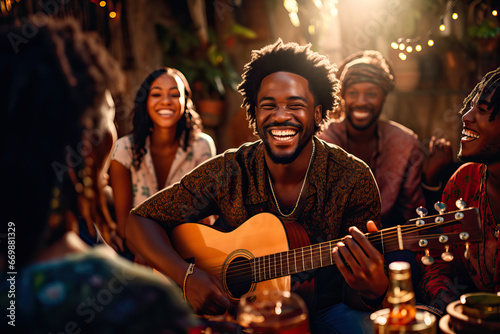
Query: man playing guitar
{"points": [[287, 90]]}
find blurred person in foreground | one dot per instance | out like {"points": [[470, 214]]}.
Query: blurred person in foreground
{"points": [[477, 182], [57, 133], [290, 173]]}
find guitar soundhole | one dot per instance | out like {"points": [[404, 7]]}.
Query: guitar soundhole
{"points": [[239, 277]]}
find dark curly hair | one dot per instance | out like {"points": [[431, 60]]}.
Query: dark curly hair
{"points": [[189, 124], [293, 58], [53, 81], [487, 85]]}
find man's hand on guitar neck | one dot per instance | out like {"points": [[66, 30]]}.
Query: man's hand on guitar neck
{"points": [[205, 294], [361, 264]]}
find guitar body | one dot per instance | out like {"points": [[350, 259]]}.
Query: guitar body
{"points": [[226, 255], [262, 253]]}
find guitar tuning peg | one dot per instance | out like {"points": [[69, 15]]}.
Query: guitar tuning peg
{"points": [[447, 256], [427, 259], [440, 207], [421, 211], [460, 203], [467, 251]]}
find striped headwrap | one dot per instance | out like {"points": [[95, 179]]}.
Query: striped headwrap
{"points": [[367, 66]]}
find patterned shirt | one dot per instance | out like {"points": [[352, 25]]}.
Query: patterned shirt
{"points": [[341, 192], [444, 282], [144, 183], [96, 292], [397, 165]]}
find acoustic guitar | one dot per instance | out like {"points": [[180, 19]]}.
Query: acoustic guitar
{"points": [[257, 255]]}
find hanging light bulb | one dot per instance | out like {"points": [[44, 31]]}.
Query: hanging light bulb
{"points": [[442, 27], [418, 47], [112, 14], [454, 16], [409, 49], [394, 45], [402, 56], [494, 12], [402, 46], [102, 3], [430, 42]]}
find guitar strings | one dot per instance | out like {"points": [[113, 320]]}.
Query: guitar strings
{"points": [[315, 252], [311, 252]]}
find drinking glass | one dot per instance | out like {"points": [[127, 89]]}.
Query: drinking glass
{"points": [[273, 312]]}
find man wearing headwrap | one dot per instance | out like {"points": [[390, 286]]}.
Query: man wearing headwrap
{"points": [[391, 150]]}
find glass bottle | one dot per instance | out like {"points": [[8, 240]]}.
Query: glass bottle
{"points": [[400, 296]]}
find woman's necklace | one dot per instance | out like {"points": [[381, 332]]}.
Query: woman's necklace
{"points": [[301, 189]]}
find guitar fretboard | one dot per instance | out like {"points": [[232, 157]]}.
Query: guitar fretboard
{"points": [[305, 258]]}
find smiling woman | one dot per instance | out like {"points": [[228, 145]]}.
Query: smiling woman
{"points": [[165, 144]]}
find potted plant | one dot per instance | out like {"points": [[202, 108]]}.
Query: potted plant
{"points": [[207, 68], [486, 34]]}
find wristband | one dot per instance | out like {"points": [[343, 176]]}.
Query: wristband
{"points": [[189, 271]]}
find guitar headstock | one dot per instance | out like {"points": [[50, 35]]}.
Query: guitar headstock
{"points": [[439, 232]]}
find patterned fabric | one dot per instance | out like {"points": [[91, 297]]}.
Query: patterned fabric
{"points": [[144, 183], [444, 282], [397, 165], [96, 292], [341, 192]]}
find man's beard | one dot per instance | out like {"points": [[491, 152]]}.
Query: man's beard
{"points": [[284, 159]]}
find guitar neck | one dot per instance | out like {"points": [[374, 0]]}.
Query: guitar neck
{"points": [[320, 255], [293, 261], [306, 258]]}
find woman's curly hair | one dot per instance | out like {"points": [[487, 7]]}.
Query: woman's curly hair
{"points": [[488, 85], [53, 83], [293, 58], [188, 126]]}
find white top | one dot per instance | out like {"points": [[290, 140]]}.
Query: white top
{"points": [[144, 182]]}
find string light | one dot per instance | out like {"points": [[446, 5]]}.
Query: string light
{"points": [[417, 43], [494, 12], [442, 27], [112, 14]]}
